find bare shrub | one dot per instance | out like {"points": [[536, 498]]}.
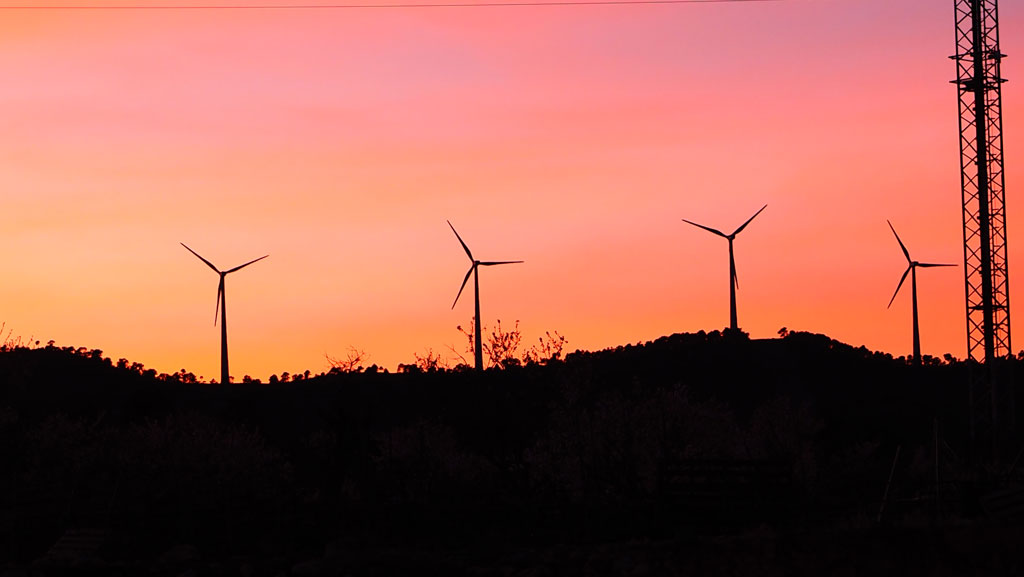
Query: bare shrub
{"points": [[501, 347], [352, 363], [431, 362]]}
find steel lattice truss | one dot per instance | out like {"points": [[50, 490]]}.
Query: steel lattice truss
{"points": [[981, 161], [986, 269]]}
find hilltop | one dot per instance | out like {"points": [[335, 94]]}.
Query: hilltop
{"points": [[843, 382]]}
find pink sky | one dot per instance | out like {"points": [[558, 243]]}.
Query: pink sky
{"points": [[574, 138]]}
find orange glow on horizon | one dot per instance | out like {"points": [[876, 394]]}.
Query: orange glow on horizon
{"points": [[573, 138]]}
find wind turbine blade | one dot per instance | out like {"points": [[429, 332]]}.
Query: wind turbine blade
{"points": [[494, 262], [464, 281], [462, 242], [931, 265], [246, 264], [899, 286], [740, 229], [208, 263], [220, 294], [906, 252], [707, 228]]}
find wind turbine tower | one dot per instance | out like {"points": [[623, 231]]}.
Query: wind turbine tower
{"points": [[986, 270], [222, 309], [912, 266], [734, 281], [478, 351]]}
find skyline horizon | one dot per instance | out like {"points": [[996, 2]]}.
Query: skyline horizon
{"points": [[443, 363], [450, 361], [573, 138]]}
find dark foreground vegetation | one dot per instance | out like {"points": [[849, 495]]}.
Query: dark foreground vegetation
{"points": [[693, 454]]}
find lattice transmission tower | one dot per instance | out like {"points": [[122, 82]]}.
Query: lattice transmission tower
{"points": [[984, 216]]}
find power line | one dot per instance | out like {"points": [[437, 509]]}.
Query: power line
{"points": [[394, 5]]}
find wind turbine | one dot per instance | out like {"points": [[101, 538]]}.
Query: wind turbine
{"points": [[222, 309], [478, 354], [912, 270], [734, 282]]}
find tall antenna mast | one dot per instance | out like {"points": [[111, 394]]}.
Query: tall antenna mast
{"points": [[986, 269]]}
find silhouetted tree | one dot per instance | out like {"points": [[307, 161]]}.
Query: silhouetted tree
{"points": [[502, 347], [549, 348], [352, 363], [430, 362]]}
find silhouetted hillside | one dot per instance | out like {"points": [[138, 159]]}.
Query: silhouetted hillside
{"points": [[704, 433]]}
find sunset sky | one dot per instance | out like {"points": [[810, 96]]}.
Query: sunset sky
{"points": [[576, 138]]}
